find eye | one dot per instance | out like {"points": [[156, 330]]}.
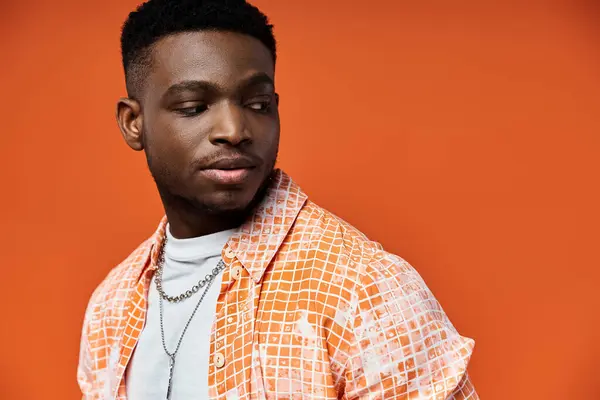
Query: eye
{"points": [[192, 111], [260, 106]]}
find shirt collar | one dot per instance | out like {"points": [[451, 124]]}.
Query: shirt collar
{"points": [[256, 242]]}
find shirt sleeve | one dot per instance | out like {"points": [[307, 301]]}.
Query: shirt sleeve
{"points": [[402, 345], [84, 368]]}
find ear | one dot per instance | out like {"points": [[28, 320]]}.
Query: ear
{"points": [[277, 99], [129, 118]]}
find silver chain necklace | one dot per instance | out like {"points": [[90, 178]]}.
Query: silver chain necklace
{"points": [[183, 296], [207, 281]]}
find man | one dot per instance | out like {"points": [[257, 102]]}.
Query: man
{"points": [[247, 289]]}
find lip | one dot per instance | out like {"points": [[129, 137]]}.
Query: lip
{"points": [[231, 163], [232, 170], [233, 176]]}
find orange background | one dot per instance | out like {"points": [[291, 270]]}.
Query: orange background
{"points": [[464, 137]]}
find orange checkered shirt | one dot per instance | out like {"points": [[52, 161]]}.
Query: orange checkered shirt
{"points": [[318, 312]]}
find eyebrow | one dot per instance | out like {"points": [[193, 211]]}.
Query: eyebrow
{"points": [[193, 85]]}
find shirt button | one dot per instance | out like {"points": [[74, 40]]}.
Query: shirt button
{"points": [[219, 360], [236, 273], [229, 253]]}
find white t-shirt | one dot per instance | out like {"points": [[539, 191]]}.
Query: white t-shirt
{"points": [[186, 262]]}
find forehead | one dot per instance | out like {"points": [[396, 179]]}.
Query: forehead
{"points": [[223, 58]]}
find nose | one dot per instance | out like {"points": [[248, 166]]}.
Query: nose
{"points": [[229, 126]]}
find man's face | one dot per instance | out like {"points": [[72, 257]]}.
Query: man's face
{"points": [[210, 118]]}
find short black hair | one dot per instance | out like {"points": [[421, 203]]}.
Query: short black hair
{"points": [[156, 19]]}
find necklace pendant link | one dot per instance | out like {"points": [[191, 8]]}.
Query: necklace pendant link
{"points": [[171, 368]]}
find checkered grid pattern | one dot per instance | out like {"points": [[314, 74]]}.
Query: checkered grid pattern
{"points": [[319, 312]]}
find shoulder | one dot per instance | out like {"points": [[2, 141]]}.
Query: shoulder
{"points": [[349, 249], [114, 288], [326, 231], [344, 257], [372, 264], [106, 310]]}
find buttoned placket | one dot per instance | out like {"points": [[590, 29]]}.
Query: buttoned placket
{"points": [[233, 332]]}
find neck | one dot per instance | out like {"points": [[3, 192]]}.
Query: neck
{"points": [[185, 224], [187, 220]]}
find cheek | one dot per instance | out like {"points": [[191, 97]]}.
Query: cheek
{"points": [[274, 144], [267, 137], [175, 139]]}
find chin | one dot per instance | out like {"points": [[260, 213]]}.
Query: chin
{"points": [[228, 202]]}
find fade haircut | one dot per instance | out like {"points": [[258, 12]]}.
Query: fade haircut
{"points": [[156, 19]]}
